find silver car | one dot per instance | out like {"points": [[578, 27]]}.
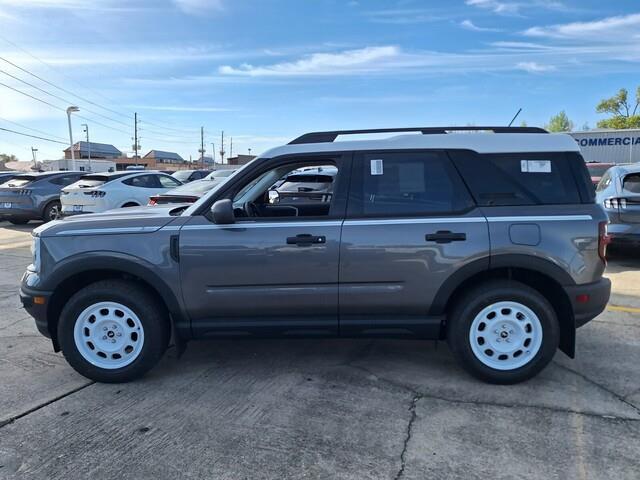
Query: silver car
{"points": [[619, 193]]}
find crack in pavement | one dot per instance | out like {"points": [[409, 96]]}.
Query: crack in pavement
{"points": [[10, 420], [407, 438], [600, 386], [412, 390]]}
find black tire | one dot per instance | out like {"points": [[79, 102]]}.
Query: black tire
{"points": [[52, 211], [153, 317], [467, 307], [19, 221], [130, 204]]}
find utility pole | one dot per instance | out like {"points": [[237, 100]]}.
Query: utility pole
{"points": [[231, 149], [33, 153], [202, 150], [213, 155], [71, 110], [222, 152], [86, 130], [135, 137]]}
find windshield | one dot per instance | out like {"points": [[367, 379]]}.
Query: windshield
{"points": [[182, 175], [197, 188], [221, 174], [193, 208]]}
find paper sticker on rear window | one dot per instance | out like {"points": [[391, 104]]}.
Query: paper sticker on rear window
{"points": [[376, 167], [535, 166]]}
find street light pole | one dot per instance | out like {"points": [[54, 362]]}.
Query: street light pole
{"points": [[86, 130], [70, 110]]}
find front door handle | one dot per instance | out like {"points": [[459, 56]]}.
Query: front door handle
{"points": [[306, 240], [445, 236]]}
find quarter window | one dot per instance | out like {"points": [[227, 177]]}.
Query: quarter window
{"points": [[520, 179], [168, 182], [406, 184], [142, 181]]}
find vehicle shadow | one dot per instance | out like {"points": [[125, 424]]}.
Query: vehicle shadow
{"points": [[21, 228]]}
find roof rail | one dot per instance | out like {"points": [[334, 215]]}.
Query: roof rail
{"points": [[328, 137]]}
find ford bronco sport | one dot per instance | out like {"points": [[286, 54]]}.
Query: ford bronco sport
{"points": [[489, 239]]}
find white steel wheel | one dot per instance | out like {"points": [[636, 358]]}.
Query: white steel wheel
{"points": [[108, 335], [505, 335]]}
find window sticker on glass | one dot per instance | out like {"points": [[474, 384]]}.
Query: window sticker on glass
{"points": [[376, 167], [535, 166]]}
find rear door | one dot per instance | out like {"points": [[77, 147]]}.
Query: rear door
{"points": [[410, 225]]}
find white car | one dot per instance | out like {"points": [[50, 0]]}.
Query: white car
{"points": [[98, 192]]}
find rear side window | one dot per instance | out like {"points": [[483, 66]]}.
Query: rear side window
{"points": [[406, 184], [143, 181], [631, 183], [64, 180], [521, 179]]}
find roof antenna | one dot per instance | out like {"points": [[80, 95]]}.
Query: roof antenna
{"points": [[514, 117]]}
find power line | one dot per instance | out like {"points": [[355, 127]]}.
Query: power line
{"points": [[79, 84], [32, 136], [62, 109], [30, 128], [60, 98]]}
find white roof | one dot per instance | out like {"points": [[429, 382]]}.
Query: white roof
{"points": [[478, 142]]}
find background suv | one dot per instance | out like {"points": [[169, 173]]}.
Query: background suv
{"points": [[33, 196], [490, 240], [96, 193]]}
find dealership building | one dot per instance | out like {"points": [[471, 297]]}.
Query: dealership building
{"points": [[609, 146]]}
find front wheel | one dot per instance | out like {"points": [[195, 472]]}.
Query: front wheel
{"points": [[113, 331], [503, 332]]}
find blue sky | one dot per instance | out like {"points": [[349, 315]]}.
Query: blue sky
{"points": [[266, 71]]}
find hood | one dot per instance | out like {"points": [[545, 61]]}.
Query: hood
{"points": [[132, 220]]}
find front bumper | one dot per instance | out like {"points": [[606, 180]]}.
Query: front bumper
{"points": [[35, 302], [589, 300]]}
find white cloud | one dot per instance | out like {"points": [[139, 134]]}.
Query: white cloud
{"points": [[469, 25], [607, 29], [495, 5], [514, 7], [196, 7], [405, 16], [346, 62], [534, 67]]}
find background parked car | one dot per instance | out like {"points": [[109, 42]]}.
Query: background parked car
{"points": [[309, 185], [227, 172], [186, 176], [34, 196], [96, 193], [189, 192], [6, 176], [597, 170], [619, 193]]}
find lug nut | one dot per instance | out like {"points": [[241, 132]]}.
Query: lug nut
{"points": [[104, 337], [113, 340], [104, 328], [118, 334]]}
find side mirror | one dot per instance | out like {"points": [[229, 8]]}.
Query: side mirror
{"points": [[222, 212], [274, 196]]}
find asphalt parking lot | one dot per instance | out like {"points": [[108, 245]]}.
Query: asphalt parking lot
{"points": [[320, 408]]}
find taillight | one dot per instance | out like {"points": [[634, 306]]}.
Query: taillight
{"points": [[603, 240], [24, 192], [96, 193], [615, 203], [153, 201]]}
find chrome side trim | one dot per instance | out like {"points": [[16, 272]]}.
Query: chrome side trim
{"points": [[542, 218], [107, 231], [412, 221], [244, 226]]}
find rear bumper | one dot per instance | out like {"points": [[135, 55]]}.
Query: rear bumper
{"points": [[624, 233], [589, 300], [25, 212]]}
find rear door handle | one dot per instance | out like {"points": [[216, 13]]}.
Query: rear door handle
{"points": [[306, 240], [445, 236]]}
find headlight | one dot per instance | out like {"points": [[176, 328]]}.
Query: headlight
{"points": [[35, 254]]}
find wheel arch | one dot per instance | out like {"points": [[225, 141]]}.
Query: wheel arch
{"points": [[542, 275], [84, 270]]}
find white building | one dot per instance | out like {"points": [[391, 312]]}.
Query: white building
{"points": [[609, 146], [82, 164]]}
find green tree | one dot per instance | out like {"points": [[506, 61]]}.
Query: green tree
{"points": [[623, 113], [559, 123]]}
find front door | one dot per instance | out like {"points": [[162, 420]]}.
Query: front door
{"points": [[275, 270], [410, 225]]}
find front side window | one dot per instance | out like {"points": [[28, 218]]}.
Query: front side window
{"points": [[291, 190], [406, 184]]}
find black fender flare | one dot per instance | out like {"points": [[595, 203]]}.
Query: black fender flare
{"points": [[125, 264]]}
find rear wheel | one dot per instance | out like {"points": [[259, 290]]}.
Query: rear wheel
{"points": [[52, 211], [503, 332], [113, 331]]}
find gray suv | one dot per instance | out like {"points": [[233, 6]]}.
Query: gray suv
{"points": [[490, 240]]}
